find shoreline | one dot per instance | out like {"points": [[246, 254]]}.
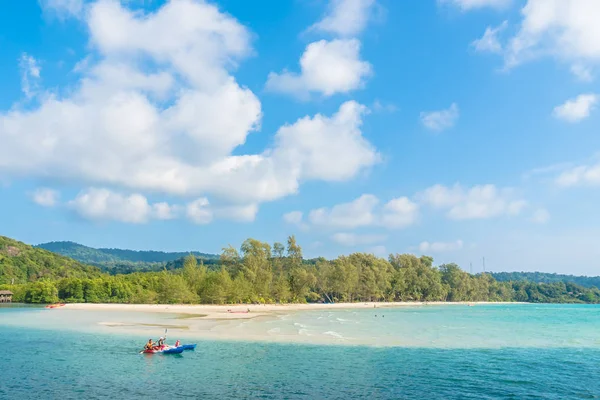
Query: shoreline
{"points": [[239, 311]]}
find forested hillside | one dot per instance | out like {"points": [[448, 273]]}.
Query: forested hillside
{"points": [[22, 263], [545, 277], [260, 273], [118, 261]]}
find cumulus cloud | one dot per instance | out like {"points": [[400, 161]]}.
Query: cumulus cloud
{"points": [[132, 121], [345, 17], [46, 197], [198, 211], [365, 211], [440, 120], [399, 213], [565, 29], [353, 239], [577, 109], [467, 5], [477, 202], [440, 247], [489, 41], [327, 67], [103, 204]]}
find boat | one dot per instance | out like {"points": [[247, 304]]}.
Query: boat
{"points": [[188, 346], [164, 350], [55, 305]]}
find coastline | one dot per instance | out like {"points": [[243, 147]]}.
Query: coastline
{"points": [[238, 311]]}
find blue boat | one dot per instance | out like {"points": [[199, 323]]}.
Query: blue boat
{"points": [[188, 346], [173, 350]]}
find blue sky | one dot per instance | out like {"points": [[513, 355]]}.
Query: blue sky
{"points": [[461, 129]]}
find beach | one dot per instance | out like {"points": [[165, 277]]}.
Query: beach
{"points": [[246, 311]]}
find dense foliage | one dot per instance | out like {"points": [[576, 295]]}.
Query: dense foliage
{"points": [[545, 277], [261, 273], [20, 263], [118, 261]]}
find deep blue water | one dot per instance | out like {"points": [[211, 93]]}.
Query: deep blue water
{"points": [[51, 364]]}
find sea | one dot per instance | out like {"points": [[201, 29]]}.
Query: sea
{"points": [[505, 351]]}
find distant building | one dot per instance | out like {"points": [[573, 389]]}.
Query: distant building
{"points": [[5, 296]]}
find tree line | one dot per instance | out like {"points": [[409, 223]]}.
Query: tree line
{"points": [[261, 273]]}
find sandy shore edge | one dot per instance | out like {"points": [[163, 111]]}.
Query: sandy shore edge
{"points": [[243, 311]]}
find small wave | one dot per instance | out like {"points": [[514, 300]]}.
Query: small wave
{"points": [[299, 325], [344, 320]]}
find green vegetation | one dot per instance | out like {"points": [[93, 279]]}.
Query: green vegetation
{"points": [[117, 261], [261, 273], [545, 277]]}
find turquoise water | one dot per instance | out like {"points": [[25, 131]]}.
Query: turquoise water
{"points": [[53, 361]]}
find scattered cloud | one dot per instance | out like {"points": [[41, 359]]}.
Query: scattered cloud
{"points": [[165, 211], [540, 216], [124, 125], [577, 109], [103, 204], [440, 247], [378, 106], [327, 67], [489, 41], [399, 213], [564, 29], [440, 120], [46, 197], [30, 75], [198, 211], [477, 202], [345, 17], [468, 5], [295, 218], [581, 175], [359, 212], [63, 8], [353, 239], [582, 73]]}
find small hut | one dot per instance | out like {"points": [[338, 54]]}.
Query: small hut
{"points": [[5, 296]]}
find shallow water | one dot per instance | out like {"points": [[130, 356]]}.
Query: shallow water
{"points": [[79, 359]]}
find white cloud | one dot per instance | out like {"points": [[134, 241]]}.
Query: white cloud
{"points": [[540, 216], [574, 110], [440, 120], [132, 120], [399, 213], [345, 17], [46, 197], [330, 149], [565, 29], [198, 211], [63, 8], [489, 41], [239, 213], [102, 204], [359, 212], [440, 247], [582, 73], [353, 239], [467, 5], [293, 217], [165, 211], [477, 202], [327, 67], [581, 175], [30, 74]]}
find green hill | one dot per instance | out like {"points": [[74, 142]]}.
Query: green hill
{"points": [[545, 277], [24, 263], [118, 261]]}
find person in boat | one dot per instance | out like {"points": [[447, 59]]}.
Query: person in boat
{"points": [[149, 345], [161, 341], [177, 343]]}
